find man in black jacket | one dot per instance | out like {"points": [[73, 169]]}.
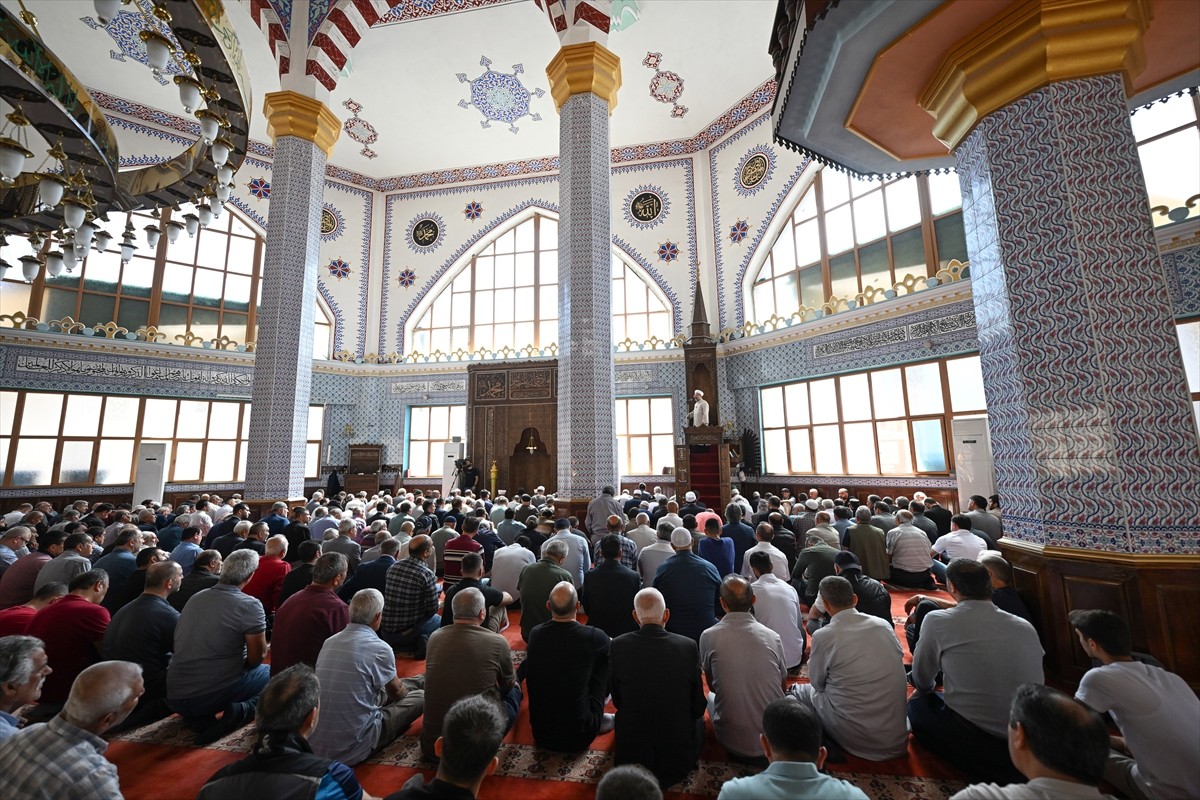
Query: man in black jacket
{"points": [[660, 712], [608, 590], [204, 575], [940, 516]]}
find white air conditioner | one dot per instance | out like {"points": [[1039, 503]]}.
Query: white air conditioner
{"points": [[973, 465]]}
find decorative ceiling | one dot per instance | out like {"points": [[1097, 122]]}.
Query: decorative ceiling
{"points": [[444, 84]]}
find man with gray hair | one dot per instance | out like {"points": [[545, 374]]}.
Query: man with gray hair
{"points": [[23, 669], [220, 646], [345, 544], [64, 759], [233, 540], [652, 557], [466, 658], [536, 581], [355, 669], [660, 712], [310, 616]]}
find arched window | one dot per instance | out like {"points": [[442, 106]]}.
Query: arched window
{"points": [[1168, 137], [507, 296], [846, 235]]}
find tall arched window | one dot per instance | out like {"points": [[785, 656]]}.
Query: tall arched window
{"points": [[846, 235], [1168, 137], [507, 296]]}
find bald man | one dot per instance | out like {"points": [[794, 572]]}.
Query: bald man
{"points": [[660, 712], [566, 670]]}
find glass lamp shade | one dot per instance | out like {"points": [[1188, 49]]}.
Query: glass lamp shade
{"points": [[174, 227], [223, 192], [74, 213], [204, 210], [210, 125], [224, 174], [152, 234], [106, 10], [217, 204], [158, 50], [50, 188], [221, 147], [12, 159], [84, 234], [192, 223], [4, 267], [103, 238], [54, 264], [29, 267], [189, 92], [127, 248], [70, 257]]}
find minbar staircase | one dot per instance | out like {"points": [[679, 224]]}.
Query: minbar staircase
{"points": [[706, 475]]}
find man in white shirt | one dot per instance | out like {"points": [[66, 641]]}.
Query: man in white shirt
{"points": [[777, 606], [856, 678], [651, 558], [908, 547], [1056, 742], [507, 563], [1157, 755], [958, 543], [764, 533], [642, 534]]}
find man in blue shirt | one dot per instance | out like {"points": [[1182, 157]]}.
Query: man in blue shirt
{"points": [[690, 585], [738, 531], [791, 738], [277, 520]]}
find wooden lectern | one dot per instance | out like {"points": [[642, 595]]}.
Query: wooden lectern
{"points": [[362, 474]]}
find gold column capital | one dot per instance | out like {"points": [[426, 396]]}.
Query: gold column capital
{"points": [[293, 114], [584, 67], [1033, 44]]}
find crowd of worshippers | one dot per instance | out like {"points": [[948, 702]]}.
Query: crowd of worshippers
{"points": [[113, 618]]}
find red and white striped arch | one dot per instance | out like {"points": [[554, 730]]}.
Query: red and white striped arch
{"points": [[276, 32], [338, 35], [564, 14]]}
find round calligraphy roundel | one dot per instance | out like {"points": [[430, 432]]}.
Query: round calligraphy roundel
{"points": [[646, 206], [754, 170], [425, 233]]}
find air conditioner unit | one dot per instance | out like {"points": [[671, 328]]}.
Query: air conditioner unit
{"points": [[973, 464]]}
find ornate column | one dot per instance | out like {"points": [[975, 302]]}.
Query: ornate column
{"points": [[1069, 289], [303, 131], [584, 78]]}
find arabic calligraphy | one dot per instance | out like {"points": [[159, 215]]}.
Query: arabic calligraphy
{"points": [[130, 372], [646, 207], [425, 232], [754, 170]]}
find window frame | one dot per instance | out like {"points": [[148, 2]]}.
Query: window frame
{"points": [[624, 441], [409, 440]]}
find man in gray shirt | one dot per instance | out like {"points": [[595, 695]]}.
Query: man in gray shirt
{"points": [[984, 654], [744, 665], [981, 520]]}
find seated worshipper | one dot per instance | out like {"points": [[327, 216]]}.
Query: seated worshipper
{"points": [[579, 551], [71, 630], [741, 534], [204, 575], [868, 544], [777, 606], [536, 581], [466, 658], [922, 520], [442, 535], [908, 547], [310, 616], [465, 747], [375, 540], [745, 668], [813, 563], [509, 529], [507, 564], [497, 602], [630, 782], [281, 763], [277, 520], [608, 590], [764, 533], [220, 646], [297, 530], [1004, 595], [344, 543], [267, 583], [883, 518], [143, 632], [18, 582], [689, 584], [64, 759], [984, 654], [119, 562], [641, 533], [824, 530], [256, 539], [1156, 711], [566, 674], [628, 551], [372, 574], [791, 738], [323, 520], [229, 542], [188, 549], [856, 678], [23, 669], [660, 712], [1056, 742], [136, 583], [411, 600], [15, 621], [458, 547], [961, 542], [984, 524], [716, 549], [366, 704], [302, 570], [873, 596], [652, 557]]}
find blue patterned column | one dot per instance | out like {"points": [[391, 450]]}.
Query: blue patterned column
{"points": [[1089, 412], [584, 79], [303, 131]]}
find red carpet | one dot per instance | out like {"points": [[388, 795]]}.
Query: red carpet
{"points": [[159, 762]]}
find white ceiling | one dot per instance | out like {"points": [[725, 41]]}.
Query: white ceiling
{"points": [[404, 76]]}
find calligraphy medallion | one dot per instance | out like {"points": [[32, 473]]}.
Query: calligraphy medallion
{"points": [[646, 207]]}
